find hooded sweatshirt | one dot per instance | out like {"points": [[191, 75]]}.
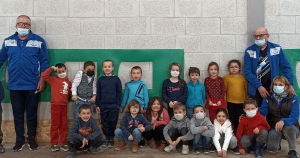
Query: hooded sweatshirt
{"points": [[197, 127]]}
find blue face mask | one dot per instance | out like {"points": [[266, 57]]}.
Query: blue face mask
{"points": [[260, 42], [22, 31], [278, 89]]}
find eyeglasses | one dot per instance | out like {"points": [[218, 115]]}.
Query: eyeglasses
{"points": [[20, 24], [234, 67], [259, 36]]}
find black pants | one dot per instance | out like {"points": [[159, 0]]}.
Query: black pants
{"points": [[175, 133], [75, 144], [109, 118], [157, 134], [235, 111]]}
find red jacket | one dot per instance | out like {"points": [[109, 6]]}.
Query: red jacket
{"points": [[60, 88], [247, 125]]}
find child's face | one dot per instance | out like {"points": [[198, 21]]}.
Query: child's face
{"points": [[136, 74], [179, 111], [194, 77], [199, 109], [134, 109], [60, 70], [249, 107], [221, 117], [156, 106], [175, 71], [213, 71], [234, 69], [107, 67], [89, 68], [85, 114]]}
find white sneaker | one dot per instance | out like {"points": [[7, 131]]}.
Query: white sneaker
{"points": [[185, 149], [169, 148]]}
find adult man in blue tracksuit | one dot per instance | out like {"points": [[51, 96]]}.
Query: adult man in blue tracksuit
{"points": [[27, 57], [262, 63]]}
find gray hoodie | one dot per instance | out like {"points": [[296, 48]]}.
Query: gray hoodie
{"points": [[197, 127], [177, 125]]}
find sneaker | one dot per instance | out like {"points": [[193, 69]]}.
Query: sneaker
{"points": [[292, 154], [54, 148], [71, 155], [19, 146], [2, 149], [212, 148], [196, 151], [95, 150], [32, 144], [169, 148], [110, 143], [235, 151], [205, 150], [64, 147], [185, 149], [142, 143], [104, 145]]}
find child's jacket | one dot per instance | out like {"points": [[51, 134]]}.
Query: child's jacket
{"points": [[225, 129], [88, 130], [128, 123], [177, 125], [197, 127]]}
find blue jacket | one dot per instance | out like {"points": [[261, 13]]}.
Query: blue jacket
{"points": [[128, 123], [196, 94], [294, 115], [1, 95], [278, 61], [26, 60], [137, 90]]}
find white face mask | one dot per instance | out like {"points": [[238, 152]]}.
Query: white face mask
{"points": [[62, 75], [200, 115], [251, 113], [174, 73], [178, 116]]}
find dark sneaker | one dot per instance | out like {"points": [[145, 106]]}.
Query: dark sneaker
{"points": [[110, 143], [105, 144], [212, 148], [196, 151], [71, 155], [2, 149], [18, 146], [32, 144], [292, 154], [235, 151], [95, 150], [64, 147], [142, 143], [54, 148], [205, 150]]}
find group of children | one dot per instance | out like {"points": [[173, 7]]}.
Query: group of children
{"points": [[234, 122]]}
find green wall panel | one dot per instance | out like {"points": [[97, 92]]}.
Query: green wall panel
{"points": [[293, 56]]}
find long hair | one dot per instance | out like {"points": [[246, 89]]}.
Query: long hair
{"points": [[180, 81], [134, 103], [283, 80], [148, 113]]}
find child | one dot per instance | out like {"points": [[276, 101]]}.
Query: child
{"points": [[131, 127], [85, 133], [108, 101], [2, 149], [236, 91], [215, 90], [282, 111], [159, 118], [84, 87], [253, 128], [178, 129], [136, 89], [196, 92], [60, 93], [202, 129], [224, 136], [174, 89]]}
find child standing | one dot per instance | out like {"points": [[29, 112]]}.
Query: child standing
{"points": [[108, 101], [215, 90], [2, 149], [178, 129], [224, 136], [236, 91], [174, 89], [131, 127], [196, 92], [60, 93], [85, 133], [136, 89], [253, 128], [84, 87], [202, 129], [159, 118]]}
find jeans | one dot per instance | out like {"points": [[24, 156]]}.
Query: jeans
{"points": [[189, 112], [200, 140], [156, 134], [247, 140], [75, 144], [175, 133], [136, 134], [77, 105], [290, 133]]}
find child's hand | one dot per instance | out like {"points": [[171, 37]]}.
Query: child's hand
{"points": [[98, 110], [54, 68], [142, 129], [92, 100], [130, 137], [242, 151], [205, 127], [224, 153], [178, 140], [171, 104], [74, 97], [220, 153], [140, 125], [84, 142], [210, 103], [121, 110], [153, 125], [172, 142], [219, 103], [256, 131]]}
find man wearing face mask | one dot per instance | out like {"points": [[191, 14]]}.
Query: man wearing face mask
{"points": [[262, 63], [28, 57]]}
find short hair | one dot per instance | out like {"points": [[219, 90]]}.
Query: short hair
{"points": [[234, 61], [84, 107], [178, 106], [60, 65], [23, 16], [134, 103], [107, 60], [212, 64], [249, 101], [194, 70], [88, 63], [198, 106], [136, 68], [222, 110]]}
